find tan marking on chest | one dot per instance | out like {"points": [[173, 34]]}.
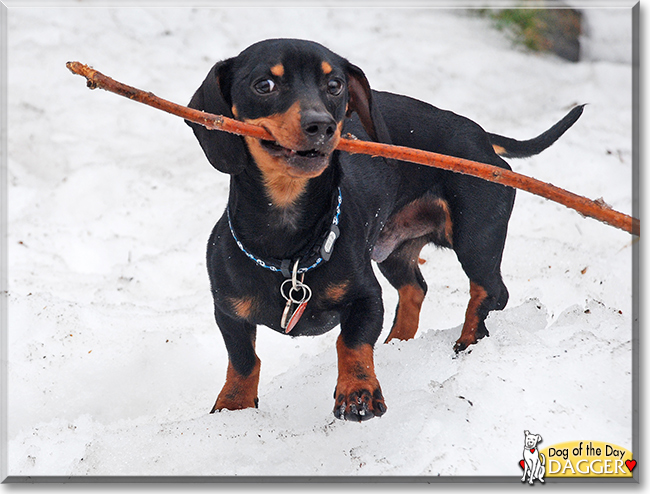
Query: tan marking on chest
{"points": [[336, 292], [243, 307]]}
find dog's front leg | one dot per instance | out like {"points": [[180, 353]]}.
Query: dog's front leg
{"points": [[534, 465], [527, 467], [358, 395], [243, 374]]}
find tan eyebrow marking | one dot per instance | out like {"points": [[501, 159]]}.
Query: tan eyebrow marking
{"points": [[327, 68], [277, 70]]}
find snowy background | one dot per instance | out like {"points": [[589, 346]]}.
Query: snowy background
{"points": [[114, 358]]}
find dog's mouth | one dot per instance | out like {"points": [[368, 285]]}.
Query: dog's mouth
{"points": [[301, 162], [272, 147]]}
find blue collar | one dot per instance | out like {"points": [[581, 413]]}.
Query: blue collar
{"points": [[305, 264]]}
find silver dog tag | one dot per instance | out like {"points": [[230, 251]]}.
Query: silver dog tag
{"points": [[285, 314], [298, 295]]}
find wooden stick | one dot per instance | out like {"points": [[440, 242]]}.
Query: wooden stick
{"points": [[586, 207]]}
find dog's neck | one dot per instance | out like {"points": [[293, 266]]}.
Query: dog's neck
{"points": [[281, 231]]}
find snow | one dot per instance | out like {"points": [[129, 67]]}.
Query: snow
{"points": [[114, 359]]}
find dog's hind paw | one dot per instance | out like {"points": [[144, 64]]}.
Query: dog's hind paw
{"points": [[470, 338]]}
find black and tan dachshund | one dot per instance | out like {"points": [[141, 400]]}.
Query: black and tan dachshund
{"points": [[294, 248]]}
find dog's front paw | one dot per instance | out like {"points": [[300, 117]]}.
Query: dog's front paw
{"points": [[358, 394], [233, 403], [239, 391], [358, 403]]}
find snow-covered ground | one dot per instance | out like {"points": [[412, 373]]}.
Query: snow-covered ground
{"points": [[114, 359]]}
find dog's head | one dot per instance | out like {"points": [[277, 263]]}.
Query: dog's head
{"points": [[531, 440], [299, 91]]}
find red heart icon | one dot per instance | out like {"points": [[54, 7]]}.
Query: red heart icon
{"points": [[532, 450], [630, 464], [522, 463]]}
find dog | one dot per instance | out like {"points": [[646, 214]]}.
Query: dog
{"points": [[534, 461], [294, 249]]}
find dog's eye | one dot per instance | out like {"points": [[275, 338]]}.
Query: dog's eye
{"points": [[334, 87], [265, 86]]}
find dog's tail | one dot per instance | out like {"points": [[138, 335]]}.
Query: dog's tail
{"points": [[512, 148]]}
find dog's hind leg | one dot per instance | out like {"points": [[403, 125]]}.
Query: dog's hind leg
{"points": [[402, 270], [479, 240], [425, 220], [541, 469], [487, 293]]}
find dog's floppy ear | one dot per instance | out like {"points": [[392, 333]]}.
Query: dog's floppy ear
{"points": [[225, 151], [360, 100]]}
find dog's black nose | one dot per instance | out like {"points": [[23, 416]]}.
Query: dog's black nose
{"points": [[318, 126]]}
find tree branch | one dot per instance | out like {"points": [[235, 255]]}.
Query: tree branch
{"points": [[598, 209]]}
